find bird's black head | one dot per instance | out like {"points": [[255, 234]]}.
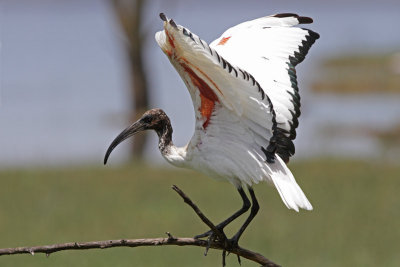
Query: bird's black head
{"points": [[154, 119]]}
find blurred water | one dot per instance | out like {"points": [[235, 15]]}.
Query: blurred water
{"points": [[64, 79]]}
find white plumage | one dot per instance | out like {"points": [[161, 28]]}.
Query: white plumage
{"points": [[250, 73], [246, 102]]}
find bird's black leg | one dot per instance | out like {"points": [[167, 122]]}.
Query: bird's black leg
{"points": [[221, 226], [254, 209]]}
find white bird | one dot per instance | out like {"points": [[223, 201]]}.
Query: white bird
{"points": [[246, 102]]}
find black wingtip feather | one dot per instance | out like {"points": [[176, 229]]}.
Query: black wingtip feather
{"points": [[283, 139], [172, 22], [302, 20], [285, 15], [163, 17], [305, 20], [313, 35]]}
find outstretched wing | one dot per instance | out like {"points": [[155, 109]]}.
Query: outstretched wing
{"points": [[214, 82], [269, 48], [236, 122]]}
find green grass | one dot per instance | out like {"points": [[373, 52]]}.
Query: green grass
{"points": [[355, 221]]}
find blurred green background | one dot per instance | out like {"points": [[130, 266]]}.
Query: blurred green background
{"points": [[354, 222]]}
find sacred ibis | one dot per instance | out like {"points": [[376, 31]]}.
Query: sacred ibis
{"points": [[246, 102]]}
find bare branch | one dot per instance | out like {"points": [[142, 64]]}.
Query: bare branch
{"points": [[170, 240], [253, 256]]}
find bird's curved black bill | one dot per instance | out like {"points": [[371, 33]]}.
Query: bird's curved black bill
{"points": [[125, 134]]}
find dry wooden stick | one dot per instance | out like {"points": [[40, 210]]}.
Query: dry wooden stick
{"points": [[170, 240], [253, 256]]}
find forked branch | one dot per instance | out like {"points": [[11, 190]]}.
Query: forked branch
{"points": [[170, 240]]}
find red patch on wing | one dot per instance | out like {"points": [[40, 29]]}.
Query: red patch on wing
{"points": [[224, 40], [170, 39], [171, 43], [207, 95]]}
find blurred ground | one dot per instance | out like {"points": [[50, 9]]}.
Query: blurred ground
{"points": [[354, 222]]}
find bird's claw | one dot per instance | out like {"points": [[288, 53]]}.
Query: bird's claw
{"points": [[212, 237], [240, 262], [232, 243], [228, 244], [224, 256], [209, 241], [206, 234]]}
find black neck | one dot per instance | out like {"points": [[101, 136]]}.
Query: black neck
{"points": [[164, 133]]}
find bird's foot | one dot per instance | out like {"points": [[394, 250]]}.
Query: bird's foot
{"points": [[232, 243], [228, 244], [206, 234], [212, 237]]}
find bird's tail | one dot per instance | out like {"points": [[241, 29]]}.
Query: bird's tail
{"points": [[288, 189]]}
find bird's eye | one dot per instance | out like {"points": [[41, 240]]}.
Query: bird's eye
{"points": [[146, 119]]}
